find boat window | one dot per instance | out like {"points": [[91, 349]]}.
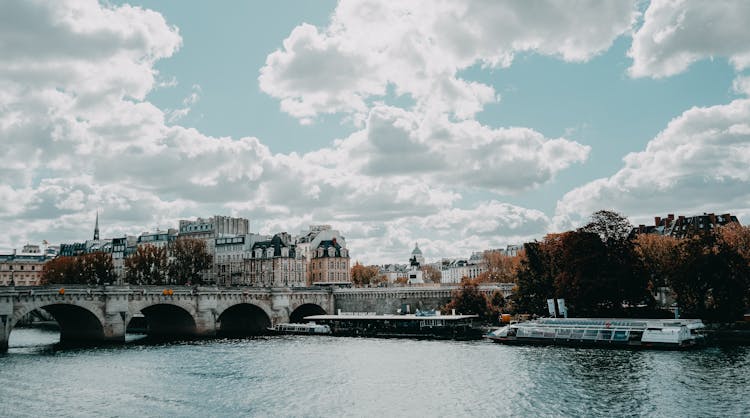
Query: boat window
{"points": [[605, 335], [620, 336], [590, 334]]}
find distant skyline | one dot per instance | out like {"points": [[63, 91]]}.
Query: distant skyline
{"points": [[460, 125]]}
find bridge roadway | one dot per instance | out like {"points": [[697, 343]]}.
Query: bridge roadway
{"points": [[102, 314]]}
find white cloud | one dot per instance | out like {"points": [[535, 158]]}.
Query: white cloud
{"points": [[396, 142], [421, 45], [697, 164], [187, 105], [80, 136], [677, 33]]}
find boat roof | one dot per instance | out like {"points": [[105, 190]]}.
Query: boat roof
{"points": [[613, 322], [406, 317]]}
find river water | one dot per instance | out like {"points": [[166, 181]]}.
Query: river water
{"points": [[329, 376]]}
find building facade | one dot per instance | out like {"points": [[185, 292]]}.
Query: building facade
{"points": [[452, 271], [277, 263], [23, 268], [329, 259]]}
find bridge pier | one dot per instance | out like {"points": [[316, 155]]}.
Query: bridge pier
{"points": [[4, 332], [6, 315], [205, 315]]}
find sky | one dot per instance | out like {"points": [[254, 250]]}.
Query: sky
{"points": [[460, 125]]}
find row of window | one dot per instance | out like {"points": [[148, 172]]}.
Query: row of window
{"points": [[17, 267]]}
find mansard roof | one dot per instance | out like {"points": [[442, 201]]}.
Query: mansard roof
{"points": [[277, 243], [325, 245]]}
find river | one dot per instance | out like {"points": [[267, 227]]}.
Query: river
{"points": [[329, 376]]}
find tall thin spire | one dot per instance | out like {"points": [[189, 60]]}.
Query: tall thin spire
{"points": [[96, 227]]}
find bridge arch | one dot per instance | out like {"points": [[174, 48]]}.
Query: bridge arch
{"points": [[166, 319], [242, 319], [79, 323], [306, 309]]}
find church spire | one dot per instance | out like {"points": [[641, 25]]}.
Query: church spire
{"points": [[96, 227]]}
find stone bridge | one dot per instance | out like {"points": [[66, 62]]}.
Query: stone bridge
{"points": [[103, 314]]}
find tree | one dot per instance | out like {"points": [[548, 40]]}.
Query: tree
{"points": [[467, 299], [535, 279], [364, 275], [62, 270], [501, 268], [98, 268], [147, 266], [92, 269], [736, 238], [190, 258], [431, 275], [657, 257], [711, 279], [610, 226]]}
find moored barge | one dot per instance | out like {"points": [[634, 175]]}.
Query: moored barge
{"points": [[635, 333], [310, 328], [458, 327]]}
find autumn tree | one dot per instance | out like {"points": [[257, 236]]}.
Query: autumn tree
{"points": [[657, 258], [711, 278], [98, 268], [736, 237], [467, 299], [62, 270], [91, 269], [501, 268], [364, 275], [190, 259], [148, 265], [431, 275]]}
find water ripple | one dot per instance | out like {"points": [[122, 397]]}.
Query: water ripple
{"points": [[326, 376]]}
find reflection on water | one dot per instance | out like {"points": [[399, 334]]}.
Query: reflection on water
{"points": [[327, 376]]}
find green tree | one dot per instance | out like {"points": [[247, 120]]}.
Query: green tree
{"points": [[190, 259], [148, 265]]}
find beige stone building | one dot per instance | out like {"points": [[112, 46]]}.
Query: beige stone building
{"points": [[277, 263], [329, 259], [24, 268]]}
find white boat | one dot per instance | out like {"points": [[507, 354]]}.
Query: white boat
{"points": [[310, 328], [637, 333]]}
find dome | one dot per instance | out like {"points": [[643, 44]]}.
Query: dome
{"points": [[416, 250]]}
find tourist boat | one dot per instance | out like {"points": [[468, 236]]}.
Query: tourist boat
{"points": [[310, 328], [636, 333], [420, 325]]}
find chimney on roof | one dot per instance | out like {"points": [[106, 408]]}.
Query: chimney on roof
{"points": [[641, 228], [657, 220], [671, 216], [712, 218]]}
